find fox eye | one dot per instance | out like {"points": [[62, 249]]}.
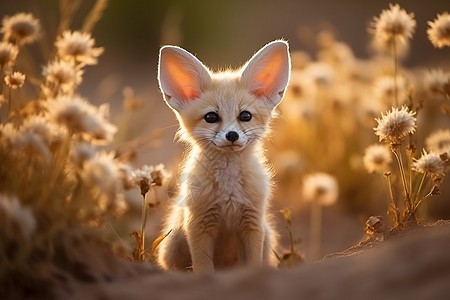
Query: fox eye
{"points": [[245, 116], [211, 117]]}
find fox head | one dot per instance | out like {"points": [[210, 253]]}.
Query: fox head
{"points": [[225, 111]]}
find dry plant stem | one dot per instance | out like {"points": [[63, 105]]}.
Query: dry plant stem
{"points": [[391, 194], [403, 176], [392, 205], [316, 224], [290, 239], [419, 190], [143, 223], [287, 217], [410, 161], [94, 15], [394, 57], [1, 80], [67, 9], [9, 102], [416, 206]]}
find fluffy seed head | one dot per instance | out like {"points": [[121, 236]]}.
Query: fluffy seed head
{"points": [[7, 133], [16, 217], [159, 174], [50, 133], [83, 152], [437, 81], [321, 73], [429, 163], [31, 144], [63, 74], [77, 46], [81, 117], [102, 175], [15, 80], [20, 29], [377, 158], [8, 54], [147, 176], [393, 24], [439, 141], [395, 125], [320, 187], [384, 88], [439, 30]]}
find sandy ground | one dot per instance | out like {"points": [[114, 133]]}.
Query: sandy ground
{"points": [[414, 266]]}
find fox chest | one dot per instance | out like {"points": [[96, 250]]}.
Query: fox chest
{"points": [[233, 197], [228, 179]]}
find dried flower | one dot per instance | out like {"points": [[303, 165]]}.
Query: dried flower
{"points": [[377, 158], [101, 174], [83, 152], [159, 174], [385, 88], [142, 178], [7, 133], [8, 54], [439, 31], [437, 82], [81, 117], [320, 187], [321, 73], [147, 176], [20, 29], [429, 163], [126, 175], [15, 80], [78, 46], [50, 133], [63, 74], [395, 125], [368, 110], [394, 24], [31, 144], [301, 86], [439, 141], [16, 216]]}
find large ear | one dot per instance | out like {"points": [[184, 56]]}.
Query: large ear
{"points": [[182, 77], [267, 73]]}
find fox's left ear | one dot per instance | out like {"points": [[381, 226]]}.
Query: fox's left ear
{"points": [[267, 73]]}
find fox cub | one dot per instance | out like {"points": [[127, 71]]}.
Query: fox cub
{"points": [[220, 218]]}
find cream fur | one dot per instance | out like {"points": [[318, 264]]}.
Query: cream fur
{"points": [[220, 217]]}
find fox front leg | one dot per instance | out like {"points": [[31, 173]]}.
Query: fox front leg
{"points": [[253, 245], [202, 252]]}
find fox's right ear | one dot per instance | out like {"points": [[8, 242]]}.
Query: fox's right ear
{"points": [[182, 77]]}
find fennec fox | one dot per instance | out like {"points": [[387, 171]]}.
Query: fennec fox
{"points": [[220, 217]]}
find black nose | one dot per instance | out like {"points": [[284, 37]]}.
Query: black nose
{"points": [[232, 136]]}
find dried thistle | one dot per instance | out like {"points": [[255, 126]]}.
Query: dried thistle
{"points": [[77, 46], [80, 117], [377, 158], [15, 80], [20, 29], [145, 178], [439, 30], [8, 54], [395, 125], [394, 24]]}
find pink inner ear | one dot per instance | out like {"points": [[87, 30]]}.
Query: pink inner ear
{"points": [[183, 82], [267, 81]]}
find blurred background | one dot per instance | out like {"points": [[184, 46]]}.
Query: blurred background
{"points": [[226, 34]]}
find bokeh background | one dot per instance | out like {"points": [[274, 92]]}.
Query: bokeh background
{"points": [[224, 34]]}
